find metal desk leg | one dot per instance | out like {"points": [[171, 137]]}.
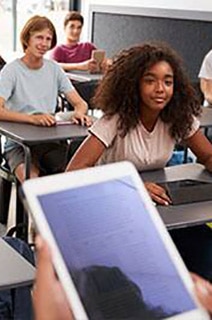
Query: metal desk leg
{"points": [[21, 214], [185, 158]]}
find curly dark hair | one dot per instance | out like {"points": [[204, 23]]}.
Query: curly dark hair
{"points": [[118, 92]]}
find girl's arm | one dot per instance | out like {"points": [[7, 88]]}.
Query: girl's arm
{"points": [[87, 155], [202, 148]]}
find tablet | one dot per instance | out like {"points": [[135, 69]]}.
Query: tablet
{"points": [[99, 56], [111, 250], [188, 191]]}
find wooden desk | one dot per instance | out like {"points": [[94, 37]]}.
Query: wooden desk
{"points": [[188, 214], [15, 271]]}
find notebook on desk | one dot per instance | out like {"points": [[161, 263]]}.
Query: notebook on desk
{"points": [[188, 191], [110, 247]]}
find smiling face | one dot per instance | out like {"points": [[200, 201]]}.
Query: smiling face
{"points": [[73, 31], [39, 43], [156, 87]]}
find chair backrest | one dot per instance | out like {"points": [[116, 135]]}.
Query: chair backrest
{"points": [[2, 62]]}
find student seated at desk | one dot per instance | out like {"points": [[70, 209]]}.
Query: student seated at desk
{"points": [[75, 55], [29, 88], [149, 105]]}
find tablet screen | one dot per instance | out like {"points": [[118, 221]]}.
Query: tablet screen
{"points": [[114, 253]]}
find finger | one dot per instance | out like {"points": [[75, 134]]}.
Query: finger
{"points": [[158, 193], [194, 276], [45, 269], [74, 120], [50, 119], [82, 122], [41, 122], [88, 121], [159, 200], [47, 122], [161, 193], [204, 295], [165, 197]]}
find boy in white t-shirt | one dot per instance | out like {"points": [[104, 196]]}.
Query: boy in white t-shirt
{"points": [[29, 88]]}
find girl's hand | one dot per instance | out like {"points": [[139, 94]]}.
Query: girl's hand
{"points": [[43, 119], [157, 193], [203, 289]]}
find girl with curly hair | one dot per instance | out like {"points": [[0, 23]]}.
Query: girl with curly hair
{"points": [[148, 106]]}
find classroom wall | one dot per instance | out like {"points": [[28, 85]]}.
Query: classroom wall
{"points": [[168, 4], [190, 24], [202, 5]]}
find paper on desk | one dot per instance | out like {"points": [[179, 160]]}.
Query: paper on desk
{"points": [[64, 117], [77, 77]]}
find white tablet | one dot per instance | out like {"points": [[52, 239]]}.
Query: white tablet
{"points": [[110, 247]]}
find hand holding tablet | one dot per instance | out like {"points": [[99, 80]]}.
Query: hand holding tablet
{"points": [[100, 224]]}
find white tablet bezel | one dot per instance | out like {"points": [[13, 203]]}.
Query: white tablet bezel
{"points": [[45, 185]]}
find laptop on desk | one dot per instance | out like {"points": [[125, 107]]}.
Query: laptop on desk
{"points": [[188, 191]]}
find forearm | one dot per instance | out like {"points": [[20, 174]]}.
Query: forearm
{"points": [[13, 116], [36, 119], [208, 164], [79, 105], [83, 157], [206, 88], [73, 66]]}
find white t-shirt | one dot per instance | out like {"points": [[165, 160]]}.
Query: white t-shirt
{"points": [[32, 90], [206, 67], [146, 150], [206, 70]]}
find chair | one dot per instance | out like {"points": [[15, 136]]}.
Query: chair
{"points": [[2, 62], [85, 89]]}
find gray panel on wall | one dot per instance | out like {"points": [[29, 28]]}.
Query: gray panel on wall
{"points": [[191, 38]]}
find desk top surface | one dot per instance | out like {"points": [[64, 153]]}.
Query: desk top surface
{"points": [[188, 214], [14, 269], [84, 76], [30, 134]]}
